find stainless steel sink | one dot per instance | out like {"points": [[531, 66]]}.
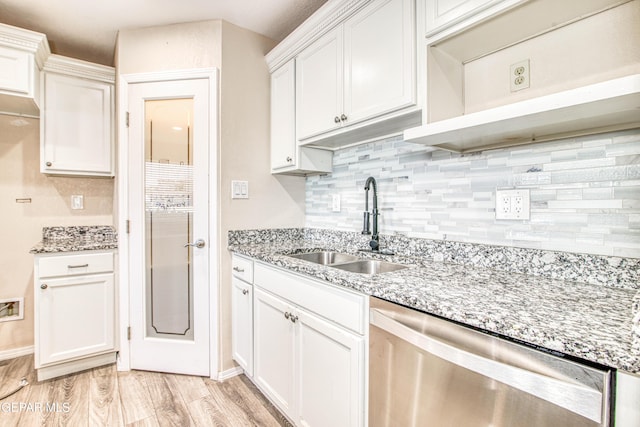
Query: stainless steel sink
{"points": [[369, 266], [325, 257]]}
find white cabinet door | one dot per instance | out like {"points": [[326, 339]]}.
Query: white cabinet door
{"points": [[242, 324], [16, 71], [330, 374], [274, 350], [76, 126], [319, 81], [441, 14], [283, 114], [75, 317], [379, 60]]}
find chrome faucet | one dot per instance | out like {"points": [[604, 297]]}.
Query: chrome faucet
{"points": [[375, 239]]}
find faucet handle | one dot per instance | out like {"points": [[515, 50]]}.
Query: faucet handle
{"points": [[374, 244]]}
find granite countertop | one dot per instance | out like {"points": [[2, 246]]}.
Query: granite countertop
{"points": [[76, 238], [591, 322]]}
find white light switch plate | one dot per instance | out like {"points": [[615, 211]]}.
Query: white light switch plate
{"points": [[513, 204], [239, 189]]}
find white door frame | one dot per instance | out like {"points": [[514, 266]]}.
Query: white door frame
{"points": [[122, 178]]}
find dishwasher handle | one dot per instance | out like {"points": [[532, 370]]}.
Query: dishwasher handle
{"points": [[581, 400]]}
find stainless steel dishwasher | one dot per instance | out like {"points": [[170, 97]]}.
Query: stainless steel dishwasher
{"points": [[425, 371]]}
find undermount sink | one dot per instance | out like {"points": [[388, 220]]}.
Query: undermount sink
{"points": [[325, 257], [348, 262], [370, 266]]}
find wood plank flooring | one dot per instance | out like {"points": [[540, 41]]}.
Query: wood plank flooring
{"points": [[105, 397]]}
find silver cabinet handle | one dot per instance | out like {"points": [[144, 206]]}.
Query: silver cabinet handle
{"points": [[289, 159], [238, 269], [336, 119], [198, 244], [44, 286], [290, 316], [245, 291], [343, 118], [48, 164], [78, 266]]}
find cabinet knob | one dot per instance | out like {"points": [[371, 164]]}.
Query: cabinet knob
{"points": [[44, 286], [293, 318], [343, 118], [245, 291], [286, 315], [48, 164], [337, 119], [289, 159]]}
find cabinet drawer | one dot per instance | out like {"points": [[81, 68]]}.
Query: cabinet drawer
{"points": [[68, 265], [242, 268], [345, 308]]}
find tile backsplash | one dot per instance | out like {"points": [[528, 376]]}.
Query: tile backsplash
{"points": [[585, 193]]}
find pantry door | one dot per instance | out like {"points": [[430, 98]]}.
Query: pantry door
{"points": [[169, 166]]}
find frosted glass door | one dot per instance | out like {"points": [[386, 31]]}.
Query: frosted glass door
{"points": [[168, 178]]}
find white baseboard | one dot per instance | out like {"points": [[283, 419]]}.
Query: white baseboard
{"points": [[229, 373], [16, 352]]}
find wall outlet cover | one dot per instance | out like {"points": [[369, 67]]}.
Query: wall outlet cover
{"points": [[513, 204], [77, 201], [335, 203]]}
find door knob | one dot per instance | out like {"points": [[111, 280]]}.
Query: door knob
{"points": [[198, 244]]}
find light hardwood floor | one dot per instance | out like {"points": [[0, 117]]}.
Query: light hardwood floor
{"points": [[105, 397]]}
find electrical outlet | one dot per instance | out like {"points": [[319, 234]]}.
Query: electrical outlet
{"points": [[519, 75], [513, 204], [77, 201], [335, 203]]}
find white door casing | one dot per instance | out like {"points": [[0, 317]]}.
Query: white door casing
{"points": [[197, 356]]}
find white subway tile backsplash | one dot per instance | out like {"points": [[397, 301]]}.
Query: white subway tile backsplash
{"points": [[585, 193]]}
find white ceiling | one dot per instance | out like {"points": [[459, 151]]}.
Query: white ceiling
{"points": [[87, 29]]}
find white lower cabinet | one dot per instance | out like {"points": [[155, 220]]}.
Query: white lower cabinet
{"points": [[274, 350], [330, 373], [309, 363], [74, 313], [242, 312]]}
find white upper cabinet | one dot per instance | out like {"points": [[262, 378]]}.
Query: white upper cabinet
{"points": [[441, 14], [287, 157], [319, 86], [355, 72], [359, 71], [76, 124], [379, 60], [22, 55]]}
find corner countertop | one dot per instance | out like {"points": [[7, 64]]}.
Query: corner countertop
{"points": [[590, 322], [76, 238]]}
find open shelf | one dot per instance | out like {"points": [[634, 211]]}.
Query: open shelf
{"points": [[600, 107], [584, 75]]}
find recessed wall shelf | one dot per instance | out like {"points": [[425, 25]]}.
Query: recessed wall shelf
{"points": [[600, 107]]}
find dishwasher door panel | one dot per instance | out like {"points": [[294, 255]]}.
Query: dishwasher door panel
{"points": [[409, 386]]}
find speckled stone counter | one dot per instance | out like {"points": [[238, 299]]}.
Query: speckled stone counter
{"points": [[77, 238], [594, 322]]}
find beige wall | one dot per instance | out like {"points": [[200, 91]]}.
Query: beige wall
{"points": [[243, 150], [21, 224], [245, 155]]}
